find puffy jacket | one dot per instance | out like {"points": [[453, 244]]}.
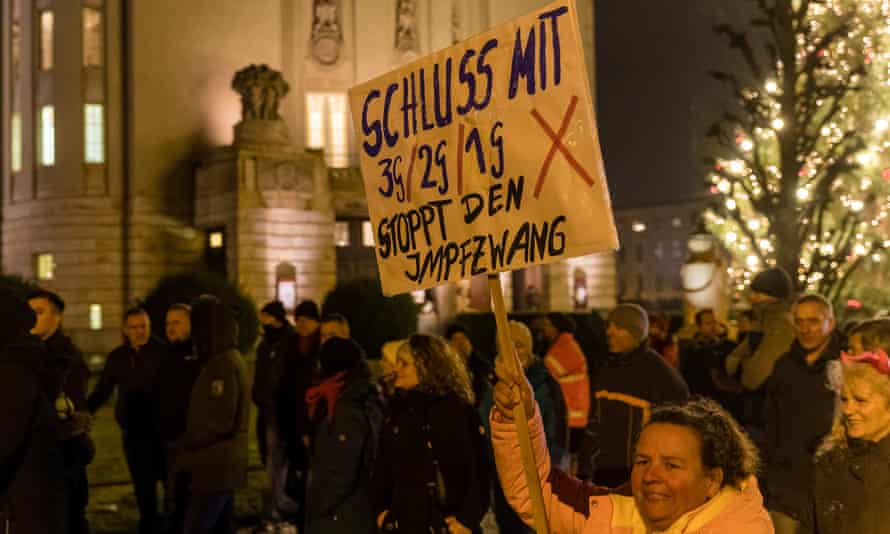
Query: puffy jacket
{"points": [[567, 364], [343, 450], [575, 507]]}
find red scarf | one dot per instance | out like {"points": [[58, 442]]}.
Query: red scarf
{"points": [[329, 391]]}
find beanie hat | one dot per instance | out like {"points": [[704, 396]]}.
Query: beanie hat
{"points": [[276, 310], [562, 322], [307, 308], [774, 282], [632, 318], [339, 354]]}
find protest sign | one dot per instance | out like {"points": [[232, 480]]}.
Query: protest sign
{"points": [[484, 157]]}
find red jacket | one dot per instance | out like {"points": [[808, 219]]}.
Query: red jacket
{"points": [[567, 365]]}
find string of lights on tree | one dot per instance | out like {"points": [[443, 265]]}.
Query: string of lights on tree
{"points": [[803, 173]]}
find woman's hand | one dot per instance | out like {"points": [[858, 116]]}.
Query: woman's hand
{"points": [[455, 526], [509, 389]]}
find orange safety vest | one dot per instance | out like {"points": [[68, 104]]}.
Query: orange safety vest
{"points": [[567, 365]]}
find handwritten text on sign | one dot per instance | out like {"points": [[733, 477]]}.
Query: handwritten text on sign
{"points": [[484, 157]]}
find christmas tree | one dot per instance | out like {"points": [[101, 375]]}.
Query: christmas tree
{"points": [[802, 162]]}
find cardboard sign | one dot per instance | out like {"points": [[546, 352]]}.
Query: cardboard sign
{"points": [[484, 157]]}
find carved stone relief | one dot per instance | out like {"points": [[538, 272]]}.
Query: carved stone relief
{"points": [[327, 31], [407, 40]]}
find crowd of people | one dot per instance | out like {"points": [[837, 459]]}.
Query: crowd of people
{"points": [[782, 428]]}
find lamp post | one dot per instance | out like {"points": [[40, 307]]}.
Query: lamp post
{"points": [[704, 276]]}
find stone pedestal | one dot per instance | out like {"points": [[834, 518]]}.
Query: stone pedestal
{"points": [[274, 205]]}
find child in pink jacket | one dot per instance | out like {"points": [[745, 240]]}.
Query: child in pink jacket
{"points": [[693, 473]]}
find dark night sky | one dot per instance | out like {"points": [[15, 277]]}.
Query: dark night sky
{"points": [[655, 100]]}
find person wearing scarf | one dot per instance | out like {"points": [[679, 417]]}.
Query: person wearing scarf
{"points": [[346, 412]]}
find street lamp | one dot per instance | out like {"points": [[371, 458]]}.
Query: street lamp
{"points": [[704, 275]]}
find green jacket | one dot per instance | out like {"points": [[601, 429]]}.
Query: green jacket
{"points": [[214, 445], [757, 354]]}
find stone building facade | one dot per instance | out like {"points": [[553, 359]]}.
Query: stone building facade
{"points": [[123, 161]]}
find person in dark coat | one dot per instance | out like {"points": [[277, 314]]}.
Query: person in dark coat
{"points": [[626, 385], [172, 391], [132, 369], [299, 372], [480, 367], [213, 448], [554, 416], [432, 471], [797, 411], [852, 471], [32, 471], [703, 362], [66, 375], [346, 410], [278, 340]]}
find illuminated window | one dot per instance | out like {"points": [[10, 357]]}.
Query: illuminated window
{"points": [[327, 126], [16, 48], [47, 136], [95, 317], [216, 240], [46, 40], [45, 266], [16, 142], [92, 37], [337, 146], [314, 121], [94, 133], [341, 233], [367, 234]]}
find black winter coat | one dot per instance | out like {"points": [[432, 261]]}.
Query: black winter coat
{"points": [[133, 373], [405, 477], [851, 488], [36, 495], [173, 389], [625, 388], [798, 410], [343, 450]]}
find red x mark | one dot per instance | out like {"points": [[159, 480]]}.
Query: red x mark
{"points": [[557, 145]]}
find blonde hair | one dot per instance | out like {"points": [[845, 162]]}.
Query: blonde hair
{"points": [[875, 335], [440, 370], [520, 332]]}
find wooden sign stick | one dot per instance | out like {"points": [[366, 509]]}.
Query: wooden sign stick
{"points": [[507, 350]]}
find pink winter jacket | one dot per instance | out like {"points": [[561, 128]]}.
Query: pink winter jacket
{"points": [[575, 507]]}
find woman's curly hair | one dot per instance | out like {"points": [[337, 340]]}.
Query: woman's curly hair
{"points": [[440, 370], [723, 442]]}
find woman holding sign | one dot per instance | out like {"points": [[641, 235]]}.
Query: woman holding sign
{"points": [[432, 466], [693, 472]]}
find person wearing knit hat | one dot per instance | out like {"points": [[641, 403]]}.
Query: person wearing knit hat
{"points": [[631, 327], [626, 384], [772, 332], [347, 414], [278, 341], [276, 310], [307, 309]]}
